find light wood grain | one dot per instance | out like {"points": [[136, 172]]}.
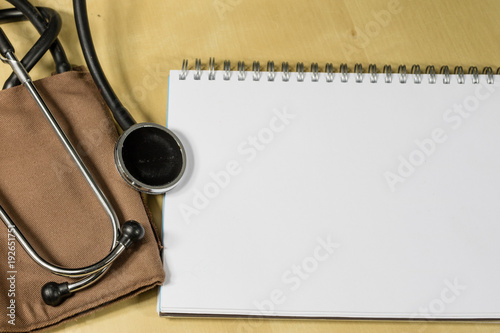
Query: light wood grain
{"points": [[140, 41]]}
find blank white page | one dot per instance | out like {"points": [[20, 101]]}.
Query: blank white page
{"points": [[333, 199]]}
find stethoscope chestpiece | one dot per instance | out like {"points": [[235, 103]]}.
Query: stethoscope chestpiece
{"points": [[150, 158]]}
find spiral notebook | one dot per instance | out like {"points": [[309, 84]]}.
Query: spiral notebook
{"points": [[334, 193]]}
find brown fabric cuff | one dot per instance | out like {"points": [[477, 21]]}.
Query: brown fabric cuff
{"points": [[53, 206]]}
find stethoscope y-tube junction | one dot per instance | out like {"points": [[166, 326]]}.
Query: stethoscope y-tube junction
{"points": [[131, 231]]}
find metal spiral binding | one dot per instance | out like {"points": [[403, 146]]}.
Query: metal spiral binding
{"points": [[343, 72], [314, 72], [270, 70], [300, 71], [286, 71], [184, 70], [431, 71], [417, 75], [197, 69], [388, 73], [227, 70], [211, 69], [329, 71], [256, 70], [445, 70], [488, 71], [402, 73], [459, 71], [475, 74], [241, 69], [372, 69], [358, 70]]}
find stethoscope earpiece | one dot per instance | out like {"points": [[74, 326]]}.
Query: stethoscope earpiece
{"points": [[54, 293], [150, 158]]}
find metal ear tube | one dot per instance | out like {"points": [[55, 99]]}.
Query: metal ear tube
{"points": [[131, 231], [149, 157]]}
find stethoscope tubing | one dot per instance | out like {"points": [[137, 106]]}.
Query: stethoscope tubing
{"points": [[39, 21], [44, 43], [120, 113]]}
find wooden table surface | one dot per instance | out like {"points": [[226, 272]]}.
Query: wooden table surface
{"points": [[140, 41]]}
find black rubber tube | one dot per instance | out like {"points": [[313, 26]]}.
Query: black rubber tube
{"points": [[41, 46], [11, 15], [5, 45], [120, 113], [40, 23]]}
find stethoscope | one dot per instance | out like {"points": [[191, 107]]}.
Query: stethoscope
{"points": [[149, 157]]}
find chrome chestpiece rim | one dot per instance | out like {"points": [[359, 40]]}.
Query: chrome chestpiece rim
{"points": [[150, 158]]}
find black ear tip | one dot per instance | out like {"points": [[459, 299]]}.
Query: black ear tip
{"points": [[55, 293], [132, 231]]}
